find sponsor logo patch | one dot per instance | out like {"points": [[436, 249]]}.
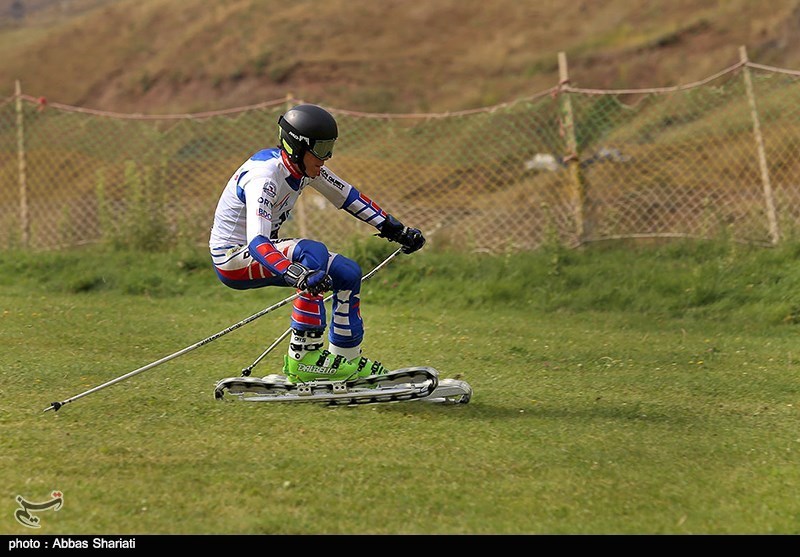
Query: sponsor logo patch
{"points": [[315, 369], [331, 180]]}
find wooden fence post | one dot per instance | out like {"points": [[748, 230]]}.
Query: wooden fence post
{"points": [[24, 220], [774, 231], [300, 205], [573, 158]]}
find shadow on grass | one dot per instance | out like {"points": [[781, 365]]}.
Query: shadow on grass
{"points": [[477, 410]]}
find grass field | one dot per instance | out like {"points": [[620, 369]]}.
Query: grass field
{"points": [[618, 390]]}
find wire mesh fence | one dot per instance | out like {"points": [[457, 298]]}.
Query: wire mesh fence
{"points": [[717, 157]]}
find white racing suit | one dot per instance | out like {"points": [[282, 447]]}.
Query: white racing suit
{"points": [[248, 253]]}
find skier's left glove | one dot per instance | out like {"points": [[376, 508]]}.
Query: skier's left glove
{"points": [[395, 231], [303, 278]]}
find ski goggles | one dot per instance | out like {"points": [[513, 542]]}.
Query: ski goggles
{"points": [[322, 148]]}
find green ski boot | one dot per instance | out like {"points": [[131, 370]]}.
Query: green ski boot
{"points": [[322, 365], [306, 361]]}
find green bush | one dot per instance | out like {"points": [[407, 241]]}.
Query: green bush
{"points": [[136, 219]]}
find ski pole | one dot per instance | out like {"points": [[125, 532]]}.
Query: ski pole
{"points": [[246, 371], [57, 405]]}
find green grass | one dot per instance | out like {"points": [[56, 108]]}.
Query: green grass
{"points": [[618, 389]]}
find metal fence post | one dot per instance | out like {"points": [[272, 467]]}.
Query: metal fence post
{"points": [[24, 220], [774, 232]]}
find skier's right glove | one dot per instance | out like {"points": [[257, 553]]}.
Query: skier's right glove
{"points": [[410, 238], [315, 282]]}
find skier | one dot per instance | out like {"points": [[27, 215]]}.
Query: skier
{"points": [[248, 252]]}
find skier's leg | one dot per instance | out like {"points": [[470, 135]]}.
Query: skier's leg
{"points": [[306, 361]]}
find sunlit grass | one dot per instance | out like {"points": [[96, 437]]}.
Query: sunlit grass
{"points": [[646, 411]]}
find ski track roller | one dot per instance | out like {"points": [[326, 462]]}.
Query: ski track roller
{"points": [[407, 384]]}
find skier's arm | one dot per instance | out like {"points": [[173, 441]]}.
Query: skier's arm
{"points": [[259, 192], [259, 198], [346, 196]]}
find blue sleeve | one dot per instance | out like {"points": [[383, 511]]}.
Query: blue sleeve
{"points": [[264, 251]]}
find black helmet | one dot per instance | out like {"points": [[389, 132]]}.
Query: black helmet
{"points": [[307, 127]]}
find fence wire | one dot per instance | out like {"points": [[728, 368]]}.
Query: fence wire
{"points": [[719, 157]]}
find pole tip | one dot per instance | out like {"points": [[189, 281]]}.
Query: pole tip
{"points": [[53, 406]]}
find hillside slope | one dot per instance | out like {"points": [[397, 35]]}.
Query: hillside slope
{"points": [[158, 56]]}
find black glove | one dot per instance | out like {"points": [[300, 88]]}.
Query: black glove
{"points": [[315, 282], [395, 231]]}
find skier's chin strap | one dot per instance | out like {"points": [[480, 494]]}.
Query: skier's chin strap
{"points": [[297, 169]]}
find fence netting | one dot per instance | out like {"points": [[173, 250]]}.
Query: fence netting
{"points": [[569, 165]]}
